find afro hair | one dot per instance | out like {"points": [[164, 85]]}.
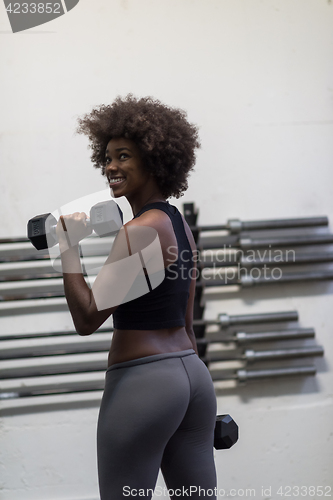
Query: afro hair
{"points": [[166, 140]]}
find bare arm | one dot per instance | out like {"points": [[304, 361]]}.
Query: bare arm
{"points": [[190, 303], [86, 317], [79, 296], [189, 314], [91, 307]]}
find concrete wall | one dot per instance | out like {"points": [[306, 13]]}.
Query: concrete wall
{"points": [[257, 76]]}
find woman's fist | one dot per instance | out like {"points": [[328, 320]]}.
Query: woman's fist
{"points": [[72, 228]]}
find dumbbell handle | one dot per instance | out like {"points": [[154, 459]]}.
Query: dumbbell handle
{"points": [[53, 229]]}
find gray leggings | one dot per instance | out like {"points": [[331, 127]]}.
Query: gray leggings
{"points": [[157, 411]]}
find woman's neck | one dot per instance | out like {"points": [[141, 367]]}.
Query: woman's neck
{"points": [[152, 199]]}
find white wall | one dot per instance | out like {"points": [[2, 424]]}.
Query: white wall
{"points": [[257, 76]]}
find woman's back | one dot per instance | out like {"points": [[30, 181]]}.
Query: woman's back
{"points": [[158, 321]]}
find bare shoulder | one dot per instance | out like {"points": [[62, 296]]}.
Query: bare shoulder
{"points": [[156, 219], [160, 222]]}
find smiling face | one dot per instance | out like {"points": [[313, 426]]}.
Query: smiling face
{"points": [[124, 168]]}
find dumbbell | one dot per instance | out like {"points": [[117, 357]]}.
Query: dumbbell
{"points": [[106, 218], [225, 433]]}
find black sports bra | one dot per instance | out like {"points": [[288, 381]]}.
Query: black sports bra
{"points": [[164, 306]]}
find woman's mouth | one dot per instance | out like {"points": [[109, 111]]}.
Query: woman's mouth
{"points": [[116, 180]]}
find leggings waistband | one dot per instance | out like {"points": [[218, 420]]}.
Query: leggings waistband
{"points": [[151, 359]]}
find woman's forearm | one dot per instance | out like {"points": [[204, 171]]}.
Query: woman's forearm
{"points": [[77, 292]]}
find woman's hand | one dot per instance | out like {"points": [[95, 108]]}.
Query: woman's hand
{"points": [[71, 229]]}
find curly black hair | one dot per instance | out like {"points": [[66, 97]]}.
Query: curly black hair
{"points": [[166, 140]]}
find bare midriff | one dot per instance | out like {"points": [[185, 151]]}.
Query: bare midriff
{"points": [[132, 344]]}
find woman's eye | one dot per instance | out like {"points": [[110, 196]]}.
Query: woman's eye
{"points": [[122, 156]]}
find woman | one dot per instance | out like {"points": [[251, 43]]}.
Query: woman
{"points": [[159, 406]]}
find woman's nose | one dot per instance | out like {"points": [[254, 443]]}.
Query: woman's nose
{"points": [[110, 169]]}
